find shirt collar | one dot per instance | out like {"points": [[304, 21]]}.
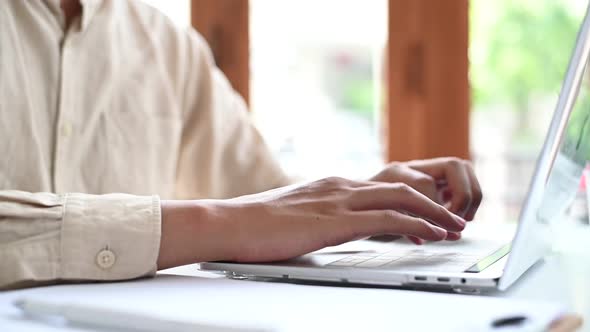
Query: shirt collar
{"points": [[89, 9]]}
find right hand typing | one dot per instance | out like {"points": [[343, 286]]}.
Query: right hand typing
{"points": [[294, 220]]}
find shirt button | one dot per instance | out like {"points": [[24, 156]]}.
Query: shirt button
{"points": [[66, 129], [105, 258]]}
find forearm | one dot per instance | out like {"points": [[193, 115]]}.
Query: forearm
{"points": [[194, 231]]}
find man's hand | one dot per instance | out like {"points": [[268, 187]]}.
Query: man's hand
{"points": [[291, 221], [450, 182], [447, 181]]}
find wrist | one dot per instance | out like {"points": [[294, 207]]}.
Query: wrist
{"points": [[193, 231]]}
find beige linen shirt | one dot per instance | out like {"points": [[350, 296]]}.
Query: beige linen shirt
{"points": [[121, 102]]}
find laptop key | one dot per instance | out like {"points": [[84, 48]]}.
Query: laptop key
{"points": [[373, 263]]}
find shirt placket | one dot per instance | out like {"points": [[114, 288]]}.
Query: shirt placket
{"points": [[64, 124]]}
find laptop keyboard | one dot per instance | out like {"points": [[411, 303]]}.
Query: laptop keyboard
{"points": [[413, 259]]}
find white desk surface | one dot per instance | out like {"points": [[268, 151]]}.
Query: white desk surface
{"points": [[549, 287], [187, 293], [550, 280]]}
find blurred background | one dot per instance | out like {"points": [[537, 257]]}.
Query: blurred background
{"points": [[318, 70]]}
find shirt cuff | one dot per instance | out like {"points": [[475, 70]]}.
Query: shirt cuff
{"points": [[109, 237]]}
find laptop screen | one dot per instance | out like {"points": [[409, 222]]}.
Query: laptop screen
{"points": [[560, 164], [572, 157]]}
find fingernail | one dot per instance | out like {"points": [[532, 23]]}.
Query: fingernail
{"points": [[453, 236]]}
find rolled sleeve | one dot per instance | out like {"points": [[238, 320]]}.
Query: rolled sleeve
{"points": [[47, 238]]}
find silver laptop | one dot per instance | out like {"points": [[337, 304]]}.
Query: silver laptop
{"points": [[484, 259]]}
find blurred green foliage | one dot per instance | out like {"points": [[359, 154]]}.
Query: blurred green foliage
{"points": [[359, 97], [519, 49]]}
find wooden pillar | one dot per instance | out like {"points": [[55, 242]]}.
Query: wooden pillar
{"points": [[428, 89], [225, 26]]}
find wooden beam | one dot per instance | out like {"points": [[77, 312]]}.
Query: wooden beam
{"points": [[428, 89], [225, 26]]}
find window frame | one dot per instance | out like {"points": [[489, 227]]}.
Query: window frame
{"points": [[427, 98]]}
